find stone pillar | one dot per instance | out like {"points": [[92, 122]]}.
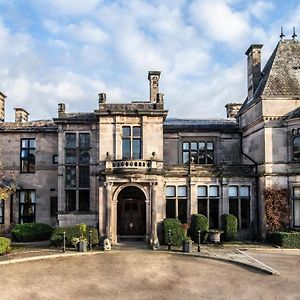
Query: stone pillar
{"points": [[154, 238], [193, 200], [114, 206], [108, 188]]}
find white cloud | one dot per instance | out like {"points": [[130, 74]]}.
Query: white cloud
{"points": [[259, 9]]}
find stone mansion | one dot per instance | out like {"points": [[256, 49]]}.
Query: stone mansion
{"points": [[126, 167]]}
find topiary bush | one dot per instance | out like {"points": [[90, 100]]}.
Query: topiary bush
{"points": [[31, 232], [73, 231], [4, 245], [199, 222], [177, 233], [284, 239], [229, 226]]}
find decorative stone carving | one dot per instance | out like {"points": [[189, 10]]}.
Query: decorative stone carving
{"points": [[107, 245]]}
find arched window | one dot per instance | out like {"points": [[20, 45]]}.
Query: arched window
{"points": [[296, 148]]}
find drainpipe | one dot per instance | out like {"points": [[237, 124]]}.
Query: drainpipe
{"points": [[256, 183]]}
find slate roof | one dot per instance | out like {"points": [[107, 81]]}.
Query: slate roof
{"points": [[281, 74], [39, 125], [77, 118], [200, 124]]}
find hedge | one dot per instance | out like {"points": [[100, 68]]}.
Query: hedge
{"points": [[31, 232], [229, 226], [177, 234], [72, 231], [285, 239], [199, 222], [4, 245]]}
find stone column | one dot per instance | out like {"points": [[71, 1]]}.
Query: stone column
{"points": [[108, 187], [154, 238], [114, 238]]}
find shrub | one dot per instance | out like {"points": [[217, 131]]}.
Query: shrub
{"points": [[71, 232], [229, 226], [4, 245], [285, 239], [199, 222], [31, 232], [177, 233]]}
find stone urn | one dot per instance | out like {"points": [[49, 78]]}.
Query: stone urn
{"points": [[215, 236]]}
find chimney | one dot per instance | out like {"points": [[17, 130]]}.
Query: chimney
{"points": [[2, 107], [102, 98], [153, 77], [232, 109], [61, 109], [21, 115], [254, 68]]}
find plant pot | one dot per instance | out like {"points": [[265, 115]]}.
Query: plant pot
{"points": [[187, 247], [82, 246], [215, 237]]}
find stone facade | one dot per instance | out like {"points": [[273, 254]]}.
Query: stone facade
{"points": [[126, 167]]}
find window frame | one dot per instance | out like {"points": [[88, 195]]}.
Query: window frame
{"points": [[132, 138], [28, 159], [32, 204], [195, 151]]}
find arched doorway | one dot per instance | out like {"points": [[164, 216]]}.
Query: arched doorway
{"points": [[131, 213]]}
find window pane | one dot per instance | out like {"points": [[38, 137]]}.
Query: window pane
{"points": [[84, 177], [245, 213], [182, 210], [84, 201], [24, 154], [193, 146], [185, 146], [31, 195], [84, 140], [137, 131], [210, 157], [296, 192], [70, 200], [245, 191], [171, 208], [182, 191], [213, 191], [71, 176], [126, 153], [233, 191], [194, 157], [296, 212], [201, 146], [126, 131], [24, 143], [210, 146], [170, 191], [71, 157], [136, 149], [185, 157], [202, 156], [202, 191], [234, 207], [296, 147], [84, 157], [213, 213], [32, 143], [202, 207], [70, 140]]}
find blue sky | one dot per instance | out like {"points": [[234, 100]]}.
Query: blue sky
{"points": [[71, 50]]}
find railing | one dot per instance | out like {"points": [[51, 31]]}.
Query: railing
{"points": [[131, 164]]}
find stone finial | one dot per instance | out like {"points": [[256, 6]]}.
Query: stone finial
{"points": [[61, 109], [2, 107], [21, 115], [153, 77], [294, 36], [281, 33], [102, 98], [232, 109], [159, 98]]}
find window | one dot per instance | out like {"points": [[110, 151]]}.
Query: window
{"points": [[27, 156], [131, 142], [208, 203], [296, 206], [55, 159], [198, 152], [53, 206], [77, 171], [296, 148], [176, 203], [239, 204], [27, 206], [1, 211]]}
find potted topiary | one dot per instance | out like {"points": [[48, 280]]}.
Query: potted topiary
{"points": [[80, 242], [187, 245], [215, 235]]}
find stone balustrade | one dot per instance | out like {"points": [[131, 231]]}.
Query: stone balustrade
{"points": [[129, 164]]}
